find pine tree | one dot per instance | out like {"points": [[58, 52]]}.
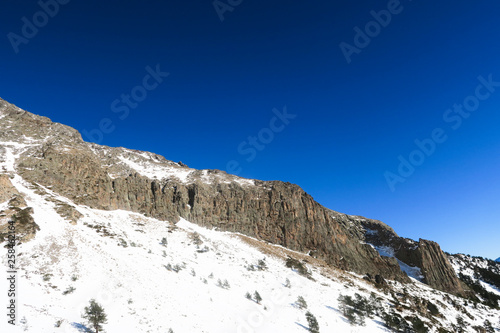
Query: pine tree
{"points": [[301, 303], [312, 322], [488, 327], [261, 265], [257, 297], [94, 313], [461, 325]]}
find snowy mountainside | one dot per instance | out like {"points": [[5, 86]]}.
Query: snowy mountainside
{"points": [[91, 220], [117, 258], [480, 274]]}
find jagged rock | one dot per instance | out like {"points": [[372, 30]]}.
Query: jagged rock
{"points": [[427, 255], [7, 190], [436, 268], [379, 280], [17, 201], [68, 212]]}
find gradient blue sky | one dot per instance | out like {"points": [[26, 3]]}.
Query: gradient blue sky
{"points": [[353, 120]]}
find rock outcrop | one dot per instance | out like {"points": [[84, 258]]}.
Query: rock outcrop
{"points": [[7, 190], [425, 254], [436, 268], [18, 216]]}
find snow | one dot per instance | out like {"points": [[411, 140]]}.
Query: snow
{"points": [[464, 266], [147, 167], [490, 288], [371, 232], [8, 161], [4, 205], [158, 171], [2, 111], [245, 182], [12, 151], [385, 251], [412, 272]]}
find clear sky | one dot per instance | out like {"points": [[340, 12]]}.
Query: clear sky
{"points": [[360, 81]]}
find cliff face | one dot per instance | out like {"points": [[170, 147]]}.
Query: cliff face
{"points": [[427, 255], [437, 269], [56, 157], [277, 212]]}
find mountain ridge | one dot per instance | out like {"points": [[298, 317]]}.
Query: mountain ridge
{"points": [[56, 156], [126, 227]]}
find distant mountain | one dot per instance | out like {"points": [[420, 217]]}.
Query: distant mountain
{"points": [[498, 259]]}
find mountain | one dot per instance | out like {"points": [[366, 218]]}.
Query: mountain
{"points": [[55, 156], [498, 259], [90, 221]]}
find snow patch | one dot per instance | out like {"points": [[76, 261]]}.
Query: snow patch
{"points": [[156, 171], [412, 272]]}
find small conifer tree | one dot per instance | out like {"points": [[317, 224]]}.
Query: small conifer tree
{"points": [[95, 315], [312, 322], [257, 297], [301, 303]]}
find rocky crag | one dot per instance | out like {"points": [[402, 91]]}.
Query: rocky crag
{"points": [[54, 158], [427, 255]]}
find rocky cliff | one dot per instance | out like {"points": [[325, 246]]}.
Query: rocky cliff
{"points": [[427, 255], [56, 158]]}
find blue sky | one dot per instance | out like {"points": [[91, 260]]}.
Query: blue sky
{"points": [[348, 123]]}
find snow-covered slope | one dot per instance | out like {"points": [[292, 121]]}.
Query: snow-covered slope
{"points": [[474, 268], [117, 258]]}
